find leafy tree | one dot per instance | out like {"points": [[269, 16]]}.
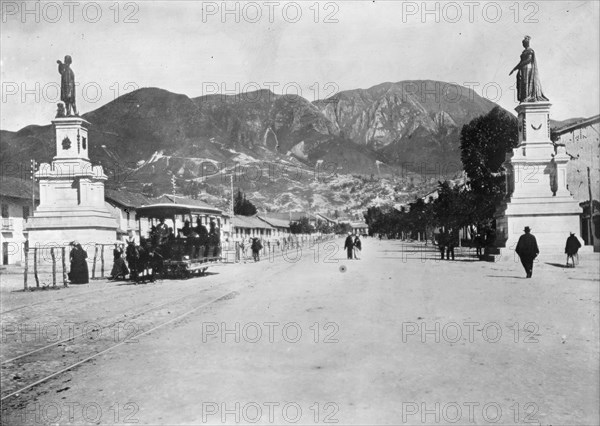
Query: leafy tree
{"points": [[302, 226], [242, 206], [342, 228], [323, 227], [484, 143]]}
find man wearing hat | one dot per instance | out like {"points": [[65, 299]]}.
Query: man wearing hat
{"points": [[571, 248], [349, 245], [527, 249]]}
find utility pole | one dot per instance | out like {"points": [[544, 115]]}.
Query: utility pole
{"points": [[33, 167], [232, 202], [591, 222], [173, 183]]}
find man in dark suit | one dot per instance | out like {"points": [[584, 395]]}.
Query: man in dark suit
{"points": [[527, 249], [349, 245]]}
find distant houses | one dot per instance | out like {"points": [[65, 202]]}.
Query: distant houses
{"points": [[17, 197], [582, 144], [16, 202]]}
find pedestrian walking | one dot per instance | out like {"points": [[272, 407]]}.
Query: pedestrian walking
{"points": [[348, 245], [527, 249], [79, 269], [571, 249], [256, 248], [357, 247]]}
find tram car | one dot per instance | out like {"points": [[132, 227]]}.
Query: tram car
{"points": [[183, 240]]}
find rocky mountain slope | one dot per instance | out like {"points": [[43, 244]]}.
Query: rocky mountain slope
{"points": [[356, 148]]}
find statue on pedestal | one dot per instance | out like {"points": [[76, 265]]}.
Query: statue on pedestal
{"points": [[67, 87], [529, 88]]}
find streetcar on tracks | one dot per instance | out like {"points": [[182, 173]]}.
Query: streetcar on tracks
{"points": [[182, 240]]}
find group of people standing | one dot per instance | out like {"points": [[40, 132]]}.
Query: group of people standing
{"points": [[447, 240], [353, 246], [254, 244]]}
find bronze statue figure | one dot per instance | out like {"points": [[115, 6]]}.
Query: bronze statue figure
{"points": [[67, 85], [529, 88]]}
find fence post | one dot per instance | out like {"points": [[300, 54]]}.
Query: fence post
{"points": [[26, 248], [94, 264], [64, 266], [35, 272], [53, 266], [102, 261]]}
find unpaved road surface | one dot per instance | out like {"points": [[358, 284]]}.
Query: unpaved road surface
{"points": [[394, 338]]}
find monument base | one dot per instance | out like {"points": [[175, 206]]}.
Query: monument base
{"points": [[551, 220]]}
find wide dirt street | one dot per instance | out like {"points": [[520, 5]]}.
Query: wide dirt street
{"points": [[394, 338]]}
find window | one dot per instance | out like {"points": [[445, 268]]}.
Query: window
{"points": [[5, 211], [25, 212]]}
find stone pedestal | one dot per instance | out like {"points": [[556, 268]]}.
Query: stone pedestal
{"points": [[536, 179], [71, 193]]}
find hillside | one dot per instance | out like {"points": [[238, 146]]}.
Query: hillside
{"points": [[359, 147]]}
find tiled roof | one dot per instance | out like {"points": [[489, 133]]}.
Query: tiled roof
{"points": [[579, 124], [277, 223], [17, 188], [328, 219], [126, 198], [293, 216], [182, 200], [249, 222]]}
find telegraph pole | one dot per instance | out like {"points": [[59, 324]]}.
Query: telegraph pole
{"points": [[173, 183], [232, 202], [590, 224], [33, 167]]}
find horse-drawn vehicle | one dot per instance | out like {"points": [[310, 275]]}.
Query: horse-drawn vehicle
{"points": [[172, 252]]}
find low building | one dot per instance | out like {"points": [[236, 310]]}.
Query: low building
{"points": [[326, 219], [281, 227], [16, 203], [123, 204], [582, 144], [250, 226], [359, 228]]}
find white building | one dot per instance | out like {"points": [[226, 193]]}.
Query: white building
{"points": [[16, 205]]}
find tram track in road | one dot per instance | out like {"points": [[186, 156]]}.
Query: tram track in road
{"points": [[83, 294], [56, 361], [103, 326]]}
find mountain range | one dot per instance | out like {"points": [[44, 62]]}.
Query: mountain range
{"points": [[356, 148]]}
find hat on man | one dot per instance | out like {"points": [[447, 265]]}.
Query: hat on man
{"points": [[527, 229]]}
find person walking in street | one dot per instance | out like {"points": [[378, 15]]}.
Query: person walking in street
{"points": [[357, 247], [256, 248], [79, 269], [571, 248], [348, 245], [527, 249]]}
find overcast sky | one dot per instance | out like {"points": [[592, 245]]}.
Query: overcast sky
{"points": [[320, 48]]}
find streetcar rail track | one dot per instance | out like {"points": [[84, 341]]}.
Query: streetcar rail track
{"points": [[89, 358]]}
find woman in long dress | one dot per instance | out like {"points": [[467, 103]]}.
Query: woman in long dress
{"points": [[79, 269], [119, 268], [529, 88]]}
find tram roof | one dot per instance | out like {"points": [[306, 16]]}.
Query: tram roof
{"points": [[166, 210]]}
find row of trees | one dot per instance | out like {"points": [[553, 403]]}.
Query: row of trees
{"points": [[303, 226], [484, 143]]}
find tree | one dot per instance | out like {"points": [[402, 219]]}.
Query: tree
{"points": [[302, 226], [483, 144], [242, 206]]}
